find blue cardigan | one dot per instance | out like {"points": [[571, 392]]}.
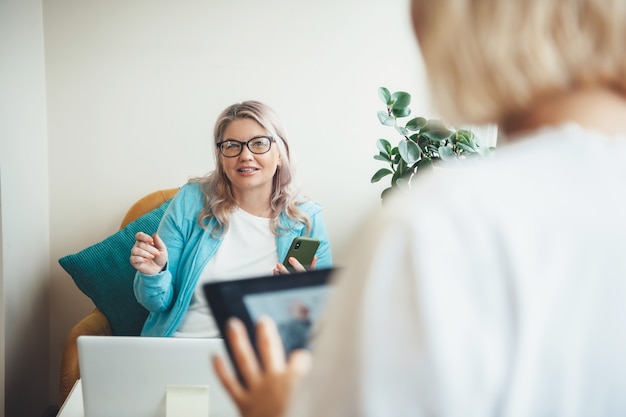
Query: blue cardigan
{"points": [[166, 295]]}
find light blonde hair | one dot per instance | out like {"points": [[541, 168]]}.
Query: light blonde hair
{"points": [[489, 59], [219, 200]]}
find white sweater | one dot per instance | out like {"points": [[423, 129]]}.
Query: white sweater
{"points": [[498, 289]]}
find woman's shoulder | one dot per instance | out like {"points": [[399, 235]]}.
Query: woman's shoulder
{"points": [[191, 189], [310, 207], [189, 196]]}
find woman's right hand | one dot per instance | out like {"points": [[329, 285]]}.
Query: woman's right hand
{"points": [[270, 378], [149, 254], [296, 265]]}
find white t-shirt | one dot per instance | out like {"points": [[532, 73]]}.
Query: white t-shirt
{"points": [[495, 290], [247, 250]]}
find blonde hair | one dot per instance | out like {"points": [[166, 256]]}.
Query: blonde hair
{"points": [[219, 200], [489, 59]]}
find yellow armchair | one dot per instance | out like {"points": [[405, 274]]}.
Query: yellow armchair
{"points": [[96, 323]]}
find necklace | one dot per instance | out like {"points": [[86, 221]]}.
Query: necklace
{"points": [[265, 212]]}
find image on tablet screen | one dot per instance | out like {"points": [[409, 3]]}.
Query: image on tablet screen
{"points": [[296, 313]]}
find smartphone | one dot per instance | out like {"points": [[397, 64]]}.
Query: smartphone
{"points": [[303, 249]]}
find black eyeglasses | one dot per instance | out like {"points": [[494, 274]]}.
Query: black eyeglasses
{"points": [[231, 148]]}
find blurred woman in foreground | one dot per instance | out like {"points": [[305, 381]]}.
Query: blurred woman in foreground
{"points": [[498, 288]]}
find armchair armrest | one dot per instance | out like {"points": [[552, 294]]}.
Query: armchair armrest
{"points": [[96, 324]]}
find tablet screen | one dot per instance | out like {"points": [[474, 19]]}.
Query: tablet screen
{"points": [[294, 301], [295, 312]]}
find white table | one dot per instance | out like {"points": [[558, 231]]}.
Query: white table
{"points": [[73, 405]]}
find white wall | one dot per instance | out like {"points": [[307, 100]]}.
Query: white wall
{"points": [[2, 327], [134, 88], [24, 208]]}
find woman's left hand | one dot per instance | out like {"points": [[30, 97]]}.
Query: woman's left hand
{"points": [[281, 269], [267, 385]]}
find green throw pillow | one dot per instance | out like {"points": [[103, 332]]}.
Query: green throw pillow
{"points": [[104, 273]]}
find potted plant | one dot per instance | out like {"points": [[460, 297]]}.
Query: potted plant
{"points": [[424, 142]]}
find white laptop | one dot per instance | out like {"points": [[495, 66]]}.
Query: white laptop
{"points": [[125, 376]]}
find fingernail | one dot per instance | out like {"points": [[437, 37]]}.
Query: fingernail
{"points": [[232, 323]]}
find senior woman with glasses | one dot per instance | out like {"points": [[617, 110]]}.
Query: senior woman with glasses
{"points": [[238, 221]]}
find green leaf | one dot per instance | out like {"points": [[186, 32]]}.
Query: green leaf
{"points": [[446, 153], [406, 172], [466, 148], [384, 95], [394, 179], [383, 146], [386, 193], [438, 135], [481, 151], [435, 124], [400, 111], [382, 157], [409, 151], [386, 119], [400, 99], [424, 163], [431, 150], [463, 136], [423, 141], [402, 182], [400, 168], [381, 173], [400, 102], [401, 130], [416, 123], [436, 131]]}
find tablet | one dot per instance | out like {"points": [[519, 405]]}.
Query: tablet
{"points": [[294, 301]]}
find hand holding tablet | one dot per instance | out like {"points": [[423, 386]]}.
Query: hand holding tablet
{"points": [[294, 302], [265, 384]]}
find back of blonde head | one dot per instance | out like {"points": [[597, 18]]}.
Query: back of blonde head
{"points": [[490, 59]]}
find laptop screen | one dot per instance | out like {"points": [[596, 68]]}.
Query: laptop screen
{"points": [[133, 376]]}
